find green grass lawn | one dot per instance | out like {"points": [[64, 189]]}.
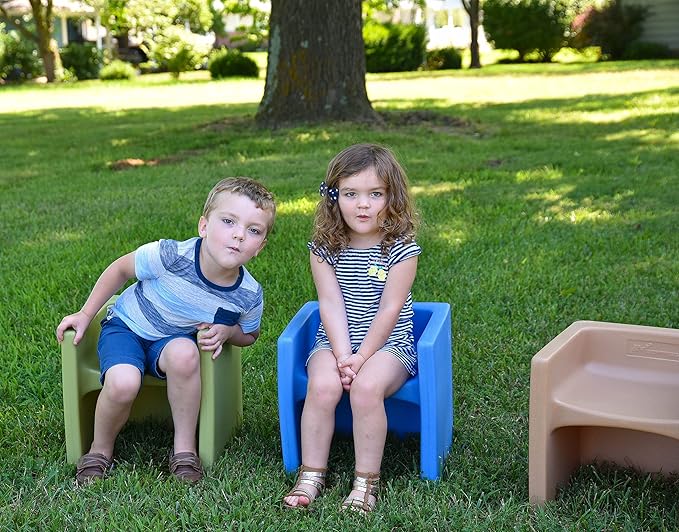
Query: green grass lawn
{"points": [[548, 194]]}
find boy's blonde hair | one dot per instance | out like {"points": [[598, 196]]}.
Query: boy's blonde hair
{"points": [[399, 220], [243, 186]]}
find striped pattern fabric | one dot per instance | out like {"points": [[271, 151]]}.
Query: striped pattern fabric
{"points": [[362, 274], [172, 296]]}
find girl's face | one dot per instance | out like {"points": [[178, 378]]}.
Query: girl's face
{"points": [[362, 198]]}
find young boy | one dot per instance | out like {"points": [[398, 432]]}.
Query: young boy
{"points": [[200, 283]]}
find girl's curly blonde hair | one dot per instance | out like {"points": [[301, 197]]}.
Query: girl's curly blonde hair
{"points": [[398, 219]]}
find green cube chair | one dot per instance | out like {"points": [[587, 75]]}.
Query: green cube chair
{"points": [[221, 402]]}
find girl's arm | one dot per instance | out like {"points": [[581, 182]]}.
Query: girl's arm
{"points": [[109, 282], [398, 285], [331, 305]]}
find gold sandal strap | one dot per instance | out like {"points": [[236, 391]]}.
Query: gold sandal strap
{"points": [[367, 483], [308, 476]]}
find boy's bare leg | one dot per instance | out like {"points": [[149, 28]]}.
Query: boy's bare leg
{"points": [[324, 390], [381, 376], [121, 387], [180, 361]]}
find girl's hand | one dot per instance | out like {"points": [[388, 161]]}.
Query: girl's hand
{"points": [[345, 378], [350, 366], [215, 335], [78, 322]]}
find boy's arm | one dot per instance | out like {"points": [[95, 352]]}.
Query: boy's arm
{"points": [[331, 306], [109, 282]]}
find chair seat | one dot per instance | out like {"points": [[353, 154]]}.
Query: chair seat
{"points": [[582, 392]]}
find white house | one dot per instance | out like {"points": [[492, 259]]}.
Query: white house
{"points": [[73, 20], [662, 22], [446, 21]]}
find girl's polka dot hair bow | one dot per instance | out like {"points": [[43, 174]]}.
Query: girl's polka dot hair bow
{"points": [[331, 193]]}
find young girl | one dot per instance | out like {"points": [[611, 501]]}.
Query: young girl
{"points": [[363, 261]]}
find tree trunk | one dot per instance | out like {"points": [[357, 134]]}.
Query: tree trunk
{"points": [[316, 64], [472, 9], [51, 60], [47, 46], [474, 46]]}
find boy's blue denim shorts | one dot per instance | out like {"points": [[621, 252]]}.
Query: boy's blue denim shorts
{"points": [[119, 345]]}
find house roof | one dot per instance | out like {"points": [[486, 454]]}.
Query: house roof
{"points": [[59, 7]]}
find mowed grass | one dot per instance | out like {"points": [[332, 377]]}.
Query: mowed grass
{"points": [[547, 195]]}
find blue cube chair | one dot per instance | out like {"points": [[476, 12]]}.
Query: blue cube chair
{"points": [[423, 405]]}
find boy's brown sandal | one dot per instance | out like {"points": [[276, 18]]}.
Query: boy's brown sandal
{"points": [[186, 467], [92, 466], [368, 484], [307, 477]]}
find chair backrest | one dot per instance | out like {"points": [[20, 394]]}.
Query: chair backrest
{"points": [[420, 319]]}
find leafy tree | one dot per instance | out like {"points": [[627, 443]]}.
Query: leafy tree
{"points": [[148, 18], [527, 25], [613, 27], [39, 30], [177, 50], [18, 57]]}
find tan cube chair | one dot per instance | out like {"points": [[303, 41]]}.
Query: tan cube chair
{"points": [[603, 392]]}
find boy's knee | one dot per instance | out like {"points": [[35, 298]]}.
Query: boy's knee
{"points": [[181, 358], [121, 384]]}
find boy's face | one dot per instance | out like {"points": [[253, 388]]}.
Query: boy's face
{"points": [[233, 233]]}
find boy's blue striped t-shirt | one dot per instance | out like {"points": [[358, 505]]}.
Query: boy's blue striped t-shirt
{"points": [[172, 296]]}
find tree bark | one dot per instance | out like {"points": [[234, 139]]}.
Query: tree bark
{"points": [[472, 9], [316, 64]]}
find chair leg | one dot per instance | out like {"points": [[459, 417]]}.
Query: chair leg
{"points": [[80, 387], [221, 403]]}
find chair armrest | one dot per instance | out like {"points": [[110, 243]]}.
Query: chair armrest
{"points": [[294, 344], [435, 338]]}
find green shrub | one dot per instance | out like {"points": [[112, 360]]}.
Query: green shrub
{"points": [[225, 62], [393, 47], [526, 26], [613, 27], [19, 59], [443, 59], [117, 69], [646, 50], [82, 60], [178, 50]]}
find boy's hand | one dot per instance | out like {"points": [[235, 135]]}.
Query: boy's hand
{"points": [[214, 336], [78, 322]]}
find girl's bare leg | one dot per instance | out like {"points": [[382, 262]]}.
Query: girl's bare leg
{"points": [[324, 390], [381, 376]]}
